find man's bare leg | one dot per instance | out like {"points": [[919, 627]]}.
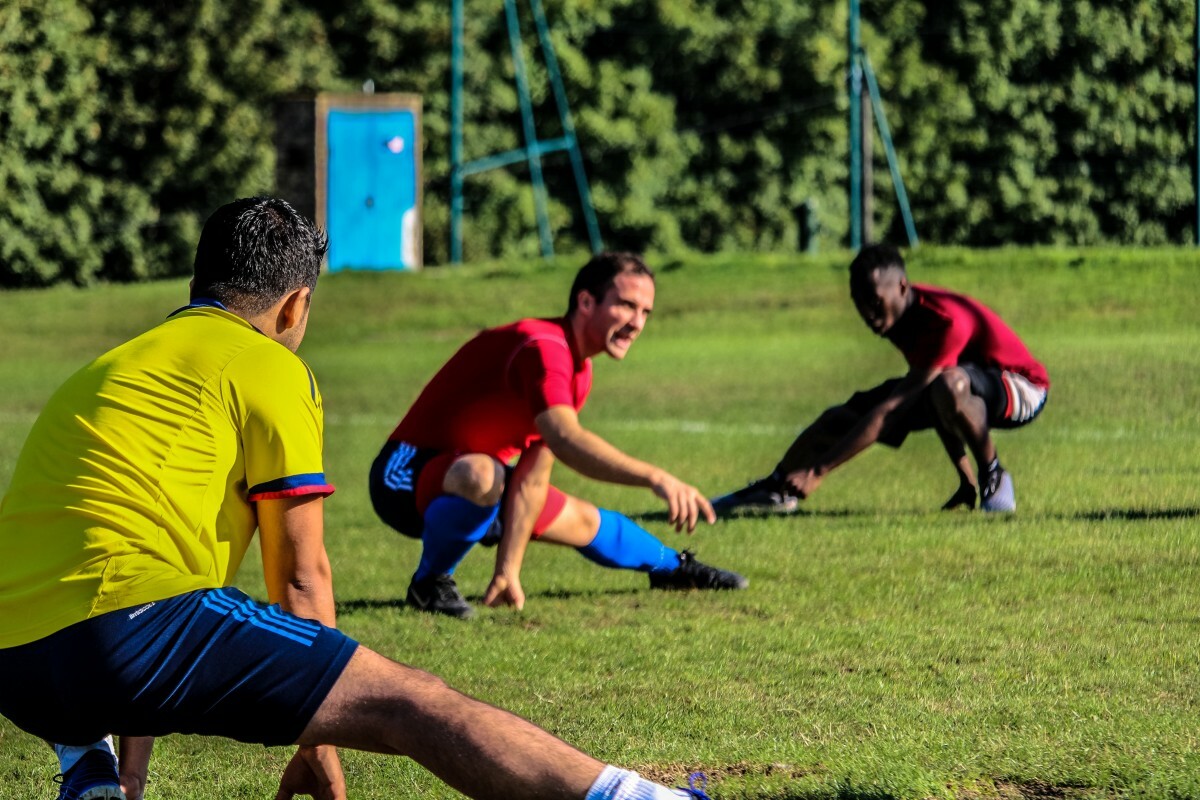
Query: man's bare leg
{"points": [[825, 431], [967, 493], [771, 492], [381, 706], [964, 415]]}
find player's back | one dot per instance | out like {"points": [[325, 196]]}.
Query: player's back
{"points": [[120, 490]]}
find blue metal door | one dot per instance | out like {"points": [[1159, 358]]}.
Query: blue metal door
{"points": [[371, 203]]}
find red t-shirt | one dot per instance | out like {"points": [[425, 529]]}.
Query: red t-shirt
{"points": [[943, 329], [485, 398]]}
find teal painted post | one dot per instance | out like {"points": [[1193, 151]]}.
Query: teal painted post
{"points": [[854, 76], [564, 114], [456, 130], [532, 151], [893, 163]]}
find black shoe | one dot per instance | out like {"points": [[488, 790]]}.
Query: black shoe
{"points": [[94, 777], [965, 496], [765, 494], [439, 595], [691, 574]]}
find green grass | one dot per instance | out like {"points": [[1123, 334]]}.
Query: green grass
{"points": [[883, 649]]}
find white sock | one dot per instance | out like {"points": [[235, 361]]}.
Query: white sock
{"points": [[623, 784], [69, 754]]}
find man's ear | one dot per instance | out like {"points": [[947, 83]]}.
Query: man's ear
{"points": [[585, 302], [293, 308]]}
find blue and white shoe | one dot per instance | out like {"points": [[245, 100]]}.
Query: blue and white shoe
{"points": [[692, 790], [94, 777], [997, 493]]}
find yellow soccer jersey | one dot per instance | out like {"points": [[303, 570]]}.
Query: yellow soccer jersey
{"points": [[139, 479]]}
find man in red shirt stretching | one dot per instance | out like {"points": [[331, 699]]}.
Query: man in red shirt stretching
{"points": [[514, 392], [968, 373]]}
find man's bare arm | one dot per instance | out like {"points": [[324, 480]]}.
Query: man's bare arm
{"points": [[590, 455], [525, 497], [298, 577]]}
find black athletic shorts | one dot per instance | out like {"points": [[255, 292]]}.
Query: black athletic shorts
{"points": [[989, 383]]}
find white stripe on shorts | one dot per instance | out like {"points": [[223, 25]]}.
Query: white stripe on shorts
{"points": [[1024, 399]]}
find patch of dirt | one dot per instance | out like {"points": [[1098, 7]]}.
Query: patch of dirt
{"points": [[672, 774]]}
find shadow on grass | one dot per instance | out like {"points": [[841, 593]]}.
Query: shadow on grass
{"points": [[662, 516], [351, 606], [1135, 514]]}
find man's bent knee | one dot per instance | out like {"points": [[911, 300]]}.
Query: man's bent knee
{"points": [[950, 388], [575, 525], [367, 707], [478, 478]]}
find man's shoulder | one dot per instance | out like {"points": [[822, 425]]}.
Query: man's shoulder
{"points": [[938, 305], [538, 328]]}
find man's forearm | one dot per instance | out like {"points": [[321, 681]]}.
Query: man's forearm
{"points": [[589, 455], [530, 483], [311, 598]]}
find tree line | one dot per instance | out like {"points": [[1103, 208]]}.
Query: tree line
{"points": [[704, 124]]}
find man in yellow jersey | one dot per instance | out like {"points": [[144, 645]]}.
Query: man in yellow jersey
{"points": [[130, 508]]}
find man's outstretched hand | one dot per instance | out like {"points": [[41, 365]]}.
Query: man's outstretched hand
{"points": [[686, 505]]}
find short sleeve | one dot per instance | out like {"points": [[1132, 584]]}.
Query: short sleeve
{"points": [[277, 407], [940, 343], [542, 371]]}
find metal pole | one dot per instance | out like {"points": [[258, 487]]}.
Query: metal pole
{"points": [[893, 162], [1197, 54], [564, 113], [456, 130], [868, 172], [854, 75], [531, 143]]}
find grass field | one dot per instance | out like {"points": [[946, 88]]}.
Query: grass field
{"points": [[883, 649]]}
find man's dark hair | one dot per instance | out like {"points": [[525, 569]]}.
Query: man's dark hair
{"points": [[873, 257], [598, 274], [254, 251]]}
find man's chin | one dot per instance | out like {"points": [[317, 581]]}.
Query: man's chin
{"points": [[617, 351]]}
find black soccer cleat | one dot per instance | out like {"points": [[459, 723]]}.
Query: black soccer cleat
{"points": [[691, 574], [93, 777], [439, 595], [767, 494]]}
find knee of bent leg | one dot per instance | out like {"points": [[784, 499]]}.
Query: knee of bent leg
{"points": [[950, 388], [584, 516], [477, 477]]}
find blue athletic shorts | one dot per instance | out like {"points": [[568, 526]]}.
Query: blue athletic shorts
{"points": [[211, 662]]}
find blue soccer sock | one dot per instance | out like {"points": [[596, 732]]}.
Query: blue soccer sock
{"points": [[452, 527], [621, 543]]}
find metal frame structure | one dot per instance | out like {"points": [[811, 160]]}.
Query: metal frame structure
{"points": [[534, 148], [860, 67]]}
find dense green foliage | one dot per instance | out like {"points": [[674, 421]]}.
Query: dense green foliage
{"points": [[704, 124], [883, 649], [124, 124]]}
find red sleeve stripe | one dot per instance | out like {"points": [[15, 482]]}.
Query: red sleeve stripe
{"points": [[324, 490]]}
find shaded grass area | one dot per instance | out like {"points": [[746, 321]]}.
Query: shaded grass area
{"points": [[883, 649]]}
